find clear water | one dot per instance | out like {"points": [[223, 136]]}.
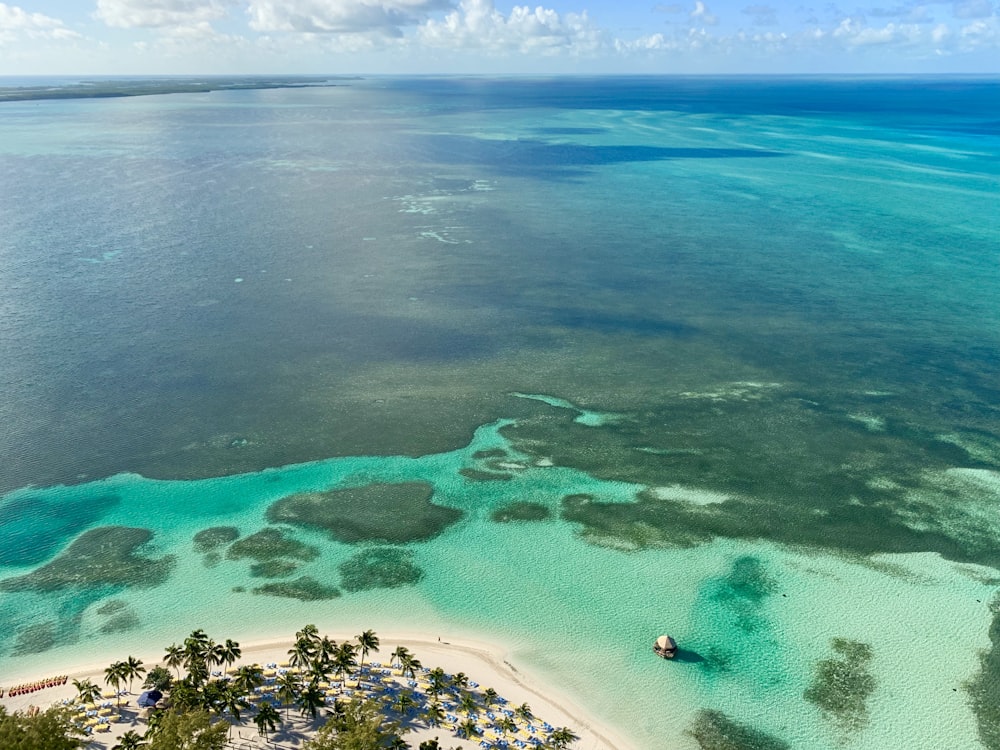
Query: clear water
{"points": [[753, 321]]}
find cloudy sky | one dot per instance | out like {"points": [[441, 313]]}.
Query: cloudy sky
{"points": [[77, 37]]}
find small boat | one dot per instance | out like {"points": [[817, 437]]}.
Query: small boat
{"points": [[665, 647]]}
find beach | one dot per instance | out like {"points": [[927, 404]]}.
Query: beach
{"points": [[484, 663]]}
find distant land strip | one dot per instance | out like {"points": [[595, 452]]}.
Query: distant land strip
{"points": [[102, 89]]}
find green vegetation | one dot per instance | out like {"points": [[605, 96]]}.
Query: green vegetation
{"points": [[359, 725], [713, 730], [985, 686], [379, 512], [521, 511], [841, 686], [304, 588], [105, 556], [211, 539], [379, 567], [51, 729], [191, 729]]}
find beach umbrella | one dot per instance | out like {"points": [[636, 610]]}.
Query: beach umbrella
{"points": [[149, 698]]}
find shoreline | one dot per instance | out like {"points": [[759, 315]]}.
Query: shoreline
{"points": [[484, 662]]}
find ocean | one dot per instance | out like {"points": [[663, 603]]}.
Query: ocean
{"points": [[562, 363]]}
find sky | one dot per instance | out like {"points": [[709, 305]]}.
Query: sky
{"points": [[163, 37]]}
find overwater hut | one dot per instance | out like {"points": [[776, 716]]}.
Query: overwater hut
{"points": [[665, 647]]}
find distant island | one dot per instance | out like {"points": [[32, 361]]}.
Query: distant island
{"points": [[112, 88]]}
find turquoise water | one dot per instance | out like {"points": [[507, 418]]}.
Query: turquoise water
{"points": [[734, 342]]}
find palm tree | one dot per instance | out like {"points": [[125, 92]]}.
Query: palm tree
{"points": [[343, 659], [231, 700], [399, 655], [438, 682], [460, 681], [524, 712], [319, 670], [468, 729], [562, 738], [214, 654], [196, 648], [133, 669], [404, 702], [311, 699], [86, 691], [131, 740], [308, 633], [506, 725], [267, 719], [248, 678], [368, 641], [409, 663], [467, 703], [433, 714], [326, 649], [490, 696], [113, 677], [174, 657], [288, 690], [301, 653], [230, 653]]}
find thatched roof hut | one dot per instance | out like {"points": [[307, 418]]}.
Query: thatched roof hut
{"points": [[665, 646]]}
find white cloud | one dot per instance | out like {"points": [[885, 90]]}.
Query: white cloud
{"points": [[701, 14], [969, 9], [17, 23], [161, 14], [387, 17], [477, 24]]}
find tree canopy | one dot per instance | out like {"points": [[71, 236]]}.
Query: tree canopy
{"points": [[46, 730], [187, 730]]}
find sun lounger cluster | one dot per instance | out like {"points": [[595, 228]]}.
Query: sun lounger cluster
{"points": [[91, 717], [34, 687]]}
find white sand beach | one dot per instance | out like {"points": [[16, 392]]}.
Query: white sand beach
{"points": [[484, 664]]}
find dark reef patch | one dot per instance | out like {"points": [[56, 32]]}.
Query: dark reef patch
{"points": [[276, 568], [121, 622], [105, 556], [378, 512], [837, 485], [34, 639], [379, 568], [742, 592], [211, 539], [32, 528], [480, 475], [271, 544], [111, 607], [842, 685], [713, 730], [521, 511], [985, 686], [490, 453], [304, 588]]}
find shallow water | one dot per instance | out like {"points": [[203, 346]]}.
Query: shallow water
{"points": [[738, 336]]}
